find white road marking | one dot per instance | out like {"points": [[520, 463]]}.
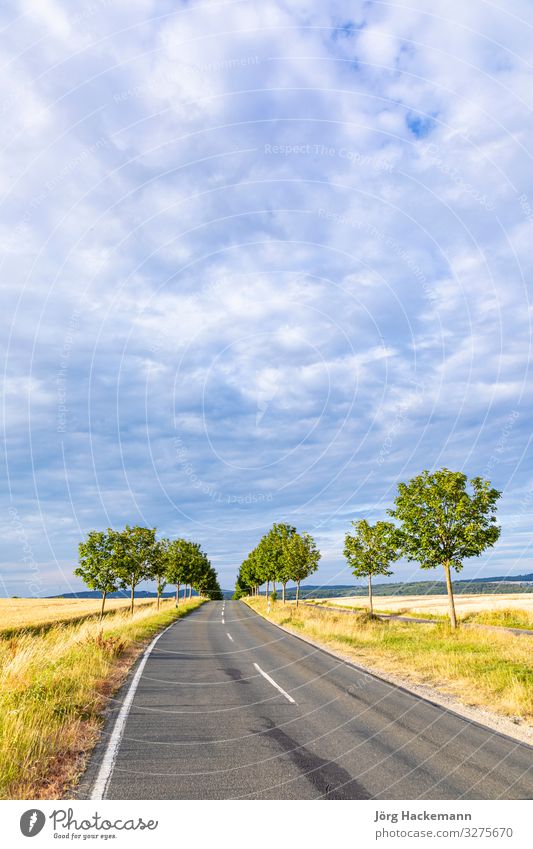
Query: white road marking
{"points": [[271, 681], [223, 622], [230, 637], [110, 754]]}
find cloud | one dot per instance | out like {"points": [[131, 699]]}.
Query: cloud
{"points": [[261, 261]]}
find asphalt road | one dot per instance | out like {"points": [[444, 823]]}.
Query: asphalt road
{"points": [[205, 723]]}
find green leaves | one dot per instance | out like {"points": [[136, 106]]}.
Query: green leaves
{"points": [[281, 555], [135, 548], [113, 559], [441, 521], [97, 564], [372, 548]]}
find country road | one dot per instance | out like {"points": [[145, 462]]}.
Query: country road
{"points": [[228, 706]]}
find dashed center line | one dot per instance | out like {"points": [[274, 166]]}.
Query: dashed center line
{"points": [[271, 681], [230, 637]]}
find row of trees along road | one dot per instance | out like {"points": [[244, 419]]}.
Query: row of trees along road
{"points": [[111, 560], [440, 523], [282, 555]]}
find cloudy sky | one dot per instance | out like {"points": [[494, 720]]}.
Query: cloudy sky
{"points": [[260, 261]]}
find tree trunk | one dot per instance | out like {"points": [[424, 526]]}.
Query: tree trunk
{"points": [[132, 598], [268, 587], [453, 618], [104, 594], [190, 590], [283, 591], [297, 593], [158, 596], [177, 594], [370, 601]]}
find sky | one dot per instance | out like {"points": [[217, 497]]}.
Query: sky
{"points": [[260, 262]]}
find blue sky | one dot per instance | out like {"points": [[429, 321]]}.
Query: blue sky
{"points": [[261, 261]]}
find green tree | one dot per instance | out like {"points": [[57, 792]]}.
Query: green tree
{"points": [[98, 564], [442, 524], [302, 558], [371, 550], [178, 555], [134, 549], [159, 565]]}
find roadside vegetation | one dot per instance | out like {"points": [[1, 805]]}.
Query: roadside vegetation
{"points": [[490, 669], [518, 613], [111, 560], [442, 518], [282, 555], [53, 691], [38, 614], [506, 618]]}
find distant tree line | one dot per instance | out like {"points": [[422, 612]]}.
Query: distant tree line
{"points": [[441, 520], [111, 560], [282, 555]]}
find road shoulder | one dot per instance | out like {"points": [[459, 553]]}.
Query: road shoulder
{"points": [[502, 725]]}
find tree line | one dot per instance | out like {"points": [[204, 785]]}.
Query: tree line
{"points": [[441, 520], [111, 560], [282, 555]]}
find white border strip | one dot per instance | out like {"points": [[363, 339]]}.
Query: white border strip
{"points": [[110, 755], [271, 681]]}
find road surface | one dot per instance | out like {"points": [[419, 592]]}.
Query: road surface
{"points": [[228, 706]]}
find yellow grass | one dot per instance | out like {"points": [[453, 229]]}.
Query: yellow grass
{"points": [[31, 612], [491, 669], [53, 688], [438, 604]]}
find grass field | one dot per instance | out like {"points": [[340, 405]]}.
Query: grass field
{"points": [[17, 613], [53, 689], [489, 669], [509, 610]]}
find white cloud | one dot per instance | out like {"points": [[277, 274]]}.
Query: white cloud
{"points": [[230, 219]]}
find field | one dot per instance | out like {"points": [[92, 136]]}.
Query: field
{"points": [[485, 668], [54, 687], [16, 613], [437, 605]]}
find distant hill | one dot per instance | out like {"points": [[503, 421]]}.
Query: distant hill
{"points": [[479, 586], [125, 594], [499, 584], [506, 578], [117, 594]]}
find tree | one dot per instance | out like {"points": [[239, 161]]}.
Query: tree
{"points": [[371, 550], [266, 561], [280, 536], [159, 566], [134, 548], [97, 564], [178, 555], [302, 558], [442, 524]]}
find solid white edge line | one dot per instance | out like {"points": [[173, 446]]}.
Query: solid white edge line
{"points": [[229, 635], [271, 680], [110, 755]]}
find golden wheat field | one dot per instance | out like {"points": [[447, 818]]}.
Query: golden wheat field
{"points": [[31, 612], [54, 687], [438, 604]]}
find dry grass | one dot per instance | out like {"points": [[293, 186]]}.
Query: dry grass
{"points": [[478, 667], [437, 604], [16, 613], [53, 689]]}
